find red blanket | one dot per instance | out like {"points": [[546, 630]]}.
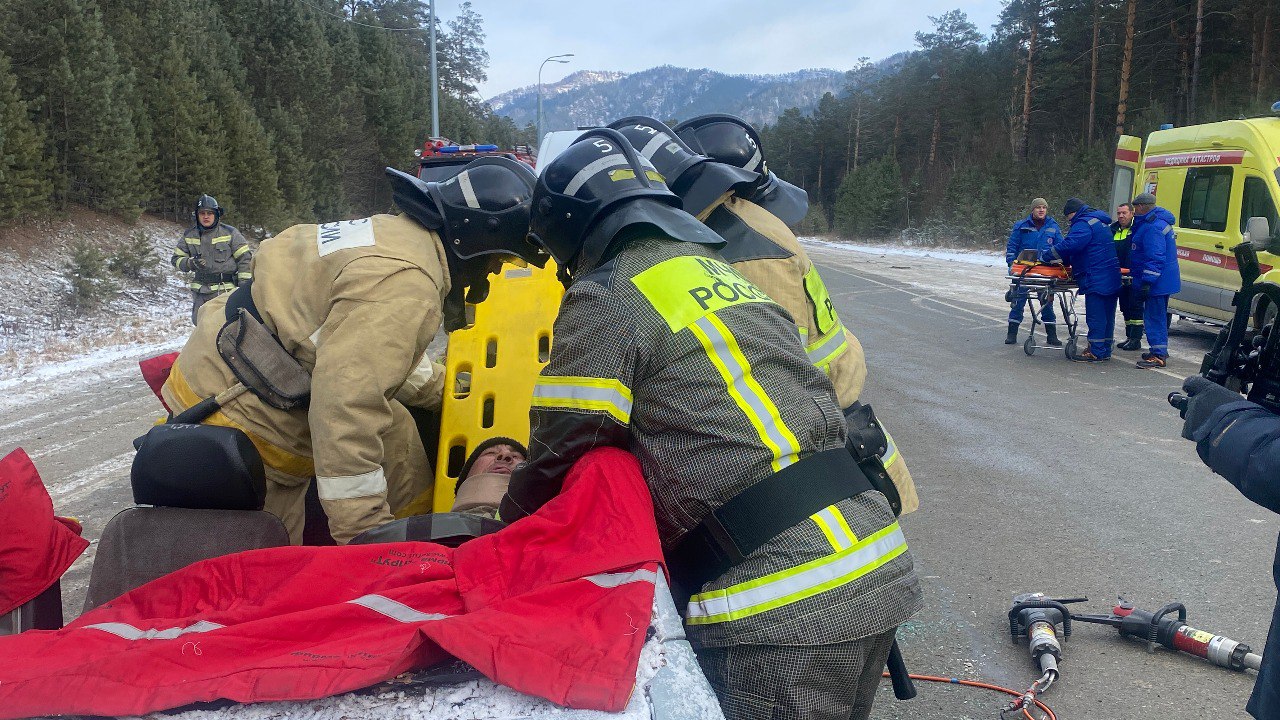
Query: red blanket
{"points": [[555, 605], [35, 546]]}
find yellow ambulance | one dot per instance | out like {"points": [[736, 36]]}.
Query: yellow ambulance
{"points": [[1214, 178]]}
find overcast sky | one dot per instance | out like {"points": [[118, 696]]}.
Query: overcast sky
{"points": [[732, 36]]}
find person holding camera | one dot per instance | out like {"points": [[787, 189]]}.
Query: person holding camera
{"points": [[1240, 440]]}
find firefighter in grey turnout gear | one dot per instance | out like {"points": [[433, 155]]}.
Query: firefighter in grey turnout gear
{"points": [[765, 251], [791, 570], [216, 253]]}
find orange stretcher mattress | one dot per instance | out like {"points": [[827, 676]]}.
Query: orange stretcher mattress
{"points": [[1038, 270]]}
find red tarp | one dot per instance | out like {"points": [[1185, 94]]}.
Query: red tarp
{"points": [[35, 546], [155, 371], [555, 605]]}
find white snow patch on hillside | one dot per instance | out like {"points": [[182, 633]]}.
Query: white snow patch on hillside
{"points": [[42, 338]]}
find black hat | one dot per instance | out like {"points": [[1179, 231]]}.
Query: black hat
{"points": [[471, 459], [1072, 207]]}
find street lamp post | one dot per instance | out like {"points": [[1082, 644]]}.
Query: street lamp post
{"points": [[553, 58], [435, 82]]}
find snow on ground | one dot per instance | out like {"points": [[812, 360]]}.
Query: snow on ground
{"points": [[986, 258], [42, 338], [974, 276]]}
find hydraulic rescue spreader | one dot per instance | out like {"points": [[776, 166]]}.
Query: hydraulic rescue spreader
{"points": [[1036, 617]]}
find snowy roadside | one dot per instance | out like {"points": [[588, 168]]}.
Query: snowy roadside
{"points": [[985, 258]]}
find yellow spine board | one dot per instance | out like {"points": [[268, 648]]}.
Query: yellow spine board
{"points": [[491, 368]]}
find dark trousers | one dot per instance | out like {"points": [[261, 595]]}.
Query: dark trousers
{"points": [[1100, 314], [1019, 304], [1131, 310], [198, 299], [800, 682]]}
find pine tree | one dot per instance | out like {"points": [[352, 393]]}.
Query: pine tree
{"points": [[24, 170], [188, 136]]}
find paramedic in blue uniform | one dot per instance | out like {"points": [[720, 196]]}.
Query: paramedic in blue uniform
{"points": [[1036, 231], [1153, 263], [1091, 253], [1240, 441]]}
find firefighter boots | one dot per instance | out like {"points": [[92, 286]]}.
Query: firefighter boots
{"points": [[1133, 338]]}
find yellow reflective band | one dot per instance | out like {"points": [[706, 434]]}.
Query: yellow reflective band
{"points": [[245, 275], [727, 357], [195, 285], [891, 454], [181, 252], [584, 393], [832, 523], [827, 348], [684, 289], [798, 583], [192, 241], [221, 239], [273, 456], [240, 251], [824, 310]]}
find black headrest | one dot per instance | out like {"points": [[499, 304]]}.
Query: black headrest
{"points": [[204, 467]]}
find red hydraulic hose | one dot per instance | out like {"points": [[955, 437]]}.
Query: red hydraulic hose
{"points": [[987, 686]]}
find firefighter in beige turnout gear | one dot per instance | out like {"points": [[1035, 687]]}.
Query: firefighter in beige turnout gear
{"points": [[664, 349], [355, 303], [215, 253], [764, 250]]}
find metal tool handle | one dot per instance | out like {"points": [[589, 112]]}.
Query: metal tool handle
{"points": [[903, 687]]}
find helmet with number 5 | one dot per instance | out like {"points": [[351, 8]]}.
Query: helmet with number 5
{"points": [[592, 191]]}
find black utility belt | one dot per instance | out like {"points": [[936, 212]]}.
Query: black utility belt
{"points": [[762, 512], [215, 277]]}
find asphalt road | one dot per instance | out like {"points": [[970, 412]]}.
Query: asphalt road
{"points": [[1034, 473], [1039, 474]]}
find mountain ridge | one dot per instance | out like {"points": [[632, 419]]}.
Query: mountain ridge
{"points": [[595, 97]]}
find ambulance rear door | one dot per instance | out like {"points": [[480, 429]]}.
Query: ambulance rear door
{"points": [[1125, 177]]}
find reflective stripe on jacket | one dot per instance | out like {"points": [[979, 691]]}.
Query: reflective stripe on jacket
{"points": [[669, 352]]}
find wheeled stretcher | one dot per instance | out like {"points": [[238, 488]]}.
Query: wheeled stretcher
{"points": [[1044, 284]]}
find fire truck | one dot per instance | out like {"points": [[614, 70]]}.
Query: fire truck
{"points": [[439, 158]]}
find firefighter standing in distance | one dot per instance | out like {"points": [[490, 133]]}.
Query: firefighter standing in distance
{"points": [[215, 252], [795, 570], [761, 247], [355, 304]]}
